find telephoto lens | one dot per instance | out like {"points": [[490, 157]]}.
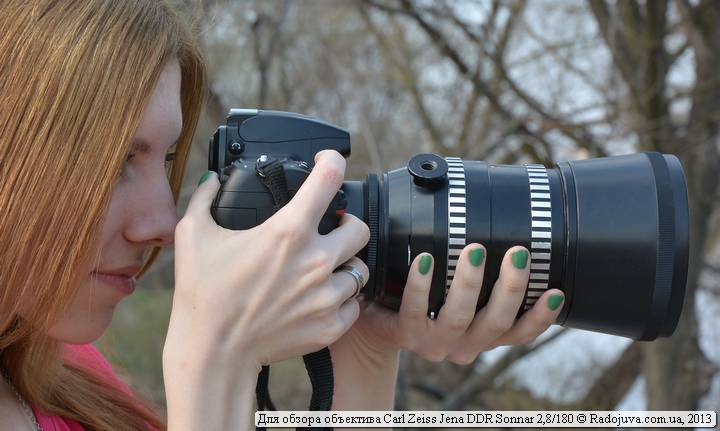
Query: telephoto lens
{"points": [[612, 233]]}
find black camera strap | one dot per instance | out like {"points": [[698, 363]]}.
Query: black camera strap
{"points": [[318, 364]]}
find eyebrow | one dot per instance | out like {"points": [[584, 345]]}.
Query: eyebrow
{"points": [[141, 146]]}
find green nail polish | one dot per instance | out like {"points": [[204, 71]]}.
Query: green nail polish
{"points": [[477, 256], [205, 176], [519, 259], [425, 262], [554, 301]]}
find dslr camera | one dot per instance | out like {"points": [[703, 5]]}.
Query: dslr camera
{"points": [[597, 229]]}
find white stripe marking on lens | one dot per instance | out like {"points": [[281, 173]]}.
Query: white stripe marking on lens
{"points": [[540, 204], [541, 223], [539, 195], [459, 175], [539, 180], [538, 213], [540, 244], [539, 187], [535, 294], [456, 200], [540, 266], [457, 211], [540, 256], [457, 183], [534, 213], [537, 285], [458, 230], [539, 276], [541, 234]]}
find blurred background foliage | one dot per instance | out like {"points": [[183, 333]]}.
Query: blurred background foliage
{"points": [[502, 81]]}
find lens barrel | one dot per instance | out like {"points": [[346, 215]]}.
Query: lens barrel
{"points": [[612, 233]]}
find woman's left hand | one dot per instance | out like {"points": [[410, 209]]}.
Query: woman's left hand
{"points": [[459, 333]]}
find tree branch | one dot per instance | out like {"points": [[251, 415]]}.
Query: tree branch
{"points": [[407, 75], [616, 380], [458, 398], [443, 45]]}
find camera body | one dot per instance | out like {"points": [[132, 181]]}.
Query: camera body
{"points": [[251, 140]]}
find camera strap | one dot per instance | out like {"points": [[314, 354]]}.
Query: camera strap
{"points": [[318, 364]]}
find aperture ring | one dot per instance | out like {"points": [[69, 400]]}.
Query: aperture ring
{"points": [[541, 233]]}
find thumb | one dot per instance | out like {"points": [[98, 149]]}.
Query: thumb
{"points": [[203, 196]]}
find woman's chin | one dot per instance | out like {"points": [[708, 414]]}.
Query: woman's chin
{"points": [[81, 329]]}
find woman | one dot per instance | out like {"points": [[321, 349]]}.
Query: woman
{"points": [[93, 97]]}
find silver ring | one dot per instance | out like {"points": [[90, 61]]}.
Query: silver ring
{"points": [[357, 275]]}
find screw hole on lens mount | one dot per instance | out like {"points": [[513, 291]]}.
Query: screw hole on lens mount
{"points": [[429, 165]]}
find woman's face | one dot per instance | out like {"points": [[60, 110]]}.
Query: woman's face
{"points": [[141, 215]]}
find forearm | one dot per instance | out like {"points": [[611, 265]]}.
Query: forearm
{"points": [[364, 381], [202, 395]]}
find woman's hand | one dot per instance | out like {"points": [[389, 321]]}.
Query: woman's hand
{"points": [[366, 358], [248, 298], [459, 333]]}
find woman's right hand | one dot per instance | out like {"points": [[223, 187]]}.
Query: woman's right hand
{"points": [[249, 298]]}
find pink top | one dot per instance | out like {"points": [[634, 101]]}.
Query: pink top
{"points": [[89, 356]]}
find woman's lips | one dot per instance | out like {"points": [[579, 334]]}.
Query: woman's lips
{"points": [[122, 283]]}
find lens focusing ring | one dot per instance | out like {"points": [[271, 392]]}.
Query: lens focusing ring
{"points": [[541, 233]]}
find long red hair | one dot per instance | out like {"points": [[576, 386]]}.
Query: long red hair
{"points": [[74, 81]]}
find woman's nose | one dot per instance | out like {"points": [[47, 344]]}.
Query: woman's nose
{"points": [[154, 217]]}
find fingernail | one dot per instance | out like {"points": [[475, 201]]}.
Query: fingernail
{"points": [[554, 301], [519, 259], [425, 262], [477, 256], [205, 176]]}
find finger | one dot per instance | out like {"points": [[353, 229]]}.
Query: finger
{"points": [[348, 313], [536, 320], [351, 235], [318, 190], [458, 311], [336, 324], [202, 198], [498, 316], [346, 283], [414, 306]]}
